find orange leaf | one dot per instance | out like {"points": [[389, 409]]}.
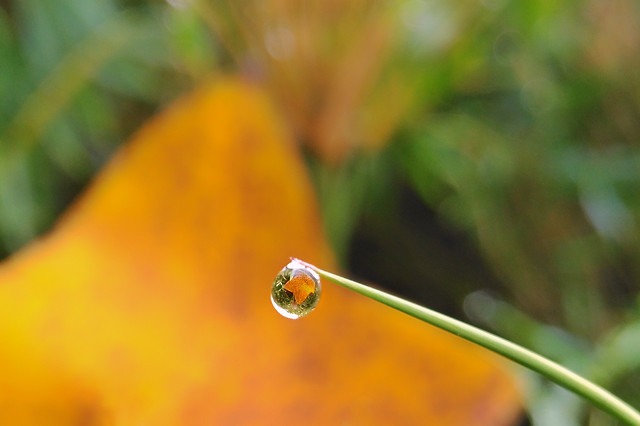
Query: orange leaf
{"points": [[129, 312], [301, 286]]}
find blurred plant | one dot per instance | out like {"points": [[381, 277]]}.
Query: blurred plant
{"points": [[76, 78], [329, 64], [529, 165], [535, 154]]}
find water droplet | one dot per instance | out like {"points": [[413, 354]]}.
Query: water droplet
{"points": [[296, 290]]}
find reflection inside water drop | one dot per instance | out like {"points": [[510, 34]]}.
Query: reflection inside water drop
{"points": [[295, 291]]}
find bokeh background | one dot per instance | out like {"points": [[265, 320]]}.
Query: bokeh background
{"points": [[481, 157]]}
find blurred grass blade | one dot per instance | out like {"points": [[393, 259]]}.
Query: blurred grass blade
{"points": [[44, 104]]}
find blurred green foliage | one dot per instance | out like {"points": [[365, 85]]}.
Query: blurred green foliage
{"points": [[76, 78], [526, 138], [514, 168]]}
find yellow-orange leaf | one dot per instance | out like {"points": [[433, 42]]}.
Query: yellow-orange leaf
{"points": [[301, 286], [129, 312]]}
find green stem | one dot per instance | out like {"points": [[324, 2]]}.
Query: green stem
{"points": [[562, 376]]}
